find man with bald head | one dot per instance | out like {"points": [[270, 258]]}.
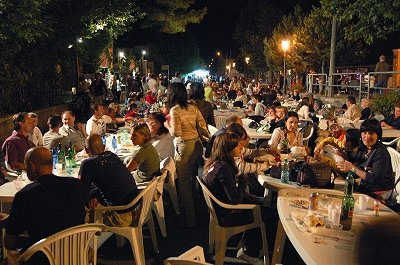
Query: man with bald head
{"points": [[114, 183], [47, 205]]}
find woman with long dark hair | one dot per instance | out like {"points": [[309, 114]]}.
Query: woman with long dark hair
{"points": [[161, 139], [220, 171], [186, 125], [373, 164], [196, 94]]}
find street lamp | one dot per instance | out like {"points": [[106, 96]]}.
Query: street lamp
{"points": [[285, 47], [144, 52]]}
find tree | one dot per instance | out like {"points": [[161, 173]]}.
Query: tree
{"points": [[251, 29], [365, 19], [36, 65]]}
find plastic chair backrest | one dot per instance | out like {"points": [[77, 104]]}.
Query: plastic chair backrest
{"points": [[308, 130], [194, 256], [209, 198], [70, 246], [212, 129], [146, 196], [395, 159]]}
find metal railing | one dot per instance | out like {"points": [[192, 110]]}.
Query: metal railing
{"points": [[357, 85]]}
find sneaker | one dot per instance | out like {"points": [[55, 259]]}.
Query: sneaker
{"points": [[242, 255]]}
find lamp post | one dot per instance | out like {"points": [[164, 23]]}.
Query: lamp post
{"points": [[285, 47], [247, 61], [142, 62]]}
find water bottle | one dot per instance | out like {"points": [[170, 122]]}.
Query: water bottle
{"points": [[285, 173], [71, 154], [54, 153], [114, 144], [68, 166], [103, 139]]}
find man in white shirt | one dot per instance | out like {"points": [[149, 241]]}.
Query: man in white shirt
{"points": [[36, 135], [353, 111], [74, 133], [153, 84], [97, 123]]}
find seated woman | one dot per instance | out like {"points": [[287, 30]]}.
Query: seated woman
{"points": [[247, 153], [303, 109], [220, 172], [161, 139], [145, 164], [373, 164], [392, 121], [241, 96], [342, 150], [289, 132], [279, 121]]}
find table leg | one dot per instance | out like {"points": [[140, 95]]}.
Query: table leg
{"points": [[279, 244]]}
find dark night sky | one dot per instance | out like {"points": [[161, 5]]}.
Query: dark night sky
{"points": [[214, 32]]}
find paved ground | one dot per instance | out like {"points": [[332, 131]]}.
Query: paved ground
{"points": [[180, 239]]}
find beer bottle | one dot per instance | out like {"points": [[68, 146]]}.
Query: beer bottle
{"points": [[346, 216]]}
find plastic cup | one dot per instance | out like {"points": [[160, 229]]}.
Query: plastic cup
{"points": [[59, 168], [336, 230], [19, 183], [331, 206], [335, 217], [363, 202]]}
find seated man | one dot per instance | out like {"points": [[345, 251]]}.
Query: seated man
{"points": [[97, 123], [52, 138], [353, 111], [15, 147], [36, 135], [392, 121], [48, 205], [114, 184], [74, 132]]}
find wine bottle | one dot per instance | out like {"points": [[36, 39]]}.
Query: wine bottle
{"points": [[346, 216]]}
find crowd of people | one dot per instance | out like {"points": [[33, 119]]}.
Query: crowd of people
{"points": [[173, 122]]}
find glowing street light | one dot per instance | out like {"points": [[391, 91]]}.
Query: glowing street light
{"points": [[218, 53], [233, 65], [121, 54], [144, 52], [247, 60], [285, 47]]}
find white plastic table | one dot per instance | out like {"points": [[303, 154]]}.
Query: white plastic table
{"points": [[329, 251]]}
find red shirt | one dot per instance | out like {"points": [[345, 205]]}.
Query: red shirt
{"points": [[150, 99], [15, 147]]}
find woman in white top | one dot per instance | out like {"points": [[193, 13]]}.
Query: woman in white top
{"points": [[303, 109], [161, 139], [186, 124], [294, 137]]}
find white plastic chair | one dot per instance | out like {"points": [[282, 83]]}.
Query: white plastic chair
{"points": [[219, 235], [194, 256], [212, 129], [307, 133], [170, 185], [134, 233], [395, 160], [70, 246]]}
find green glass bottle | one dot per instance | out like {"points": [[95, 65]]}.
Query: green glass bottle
{"points": [[348, 202], [71, 154], [285, 145], [61, 155]]}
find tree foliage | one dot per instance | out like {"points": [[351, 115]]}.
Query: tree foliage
{"points": [[310, 37], [251, 29], [365, 19], [35, 62]]}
